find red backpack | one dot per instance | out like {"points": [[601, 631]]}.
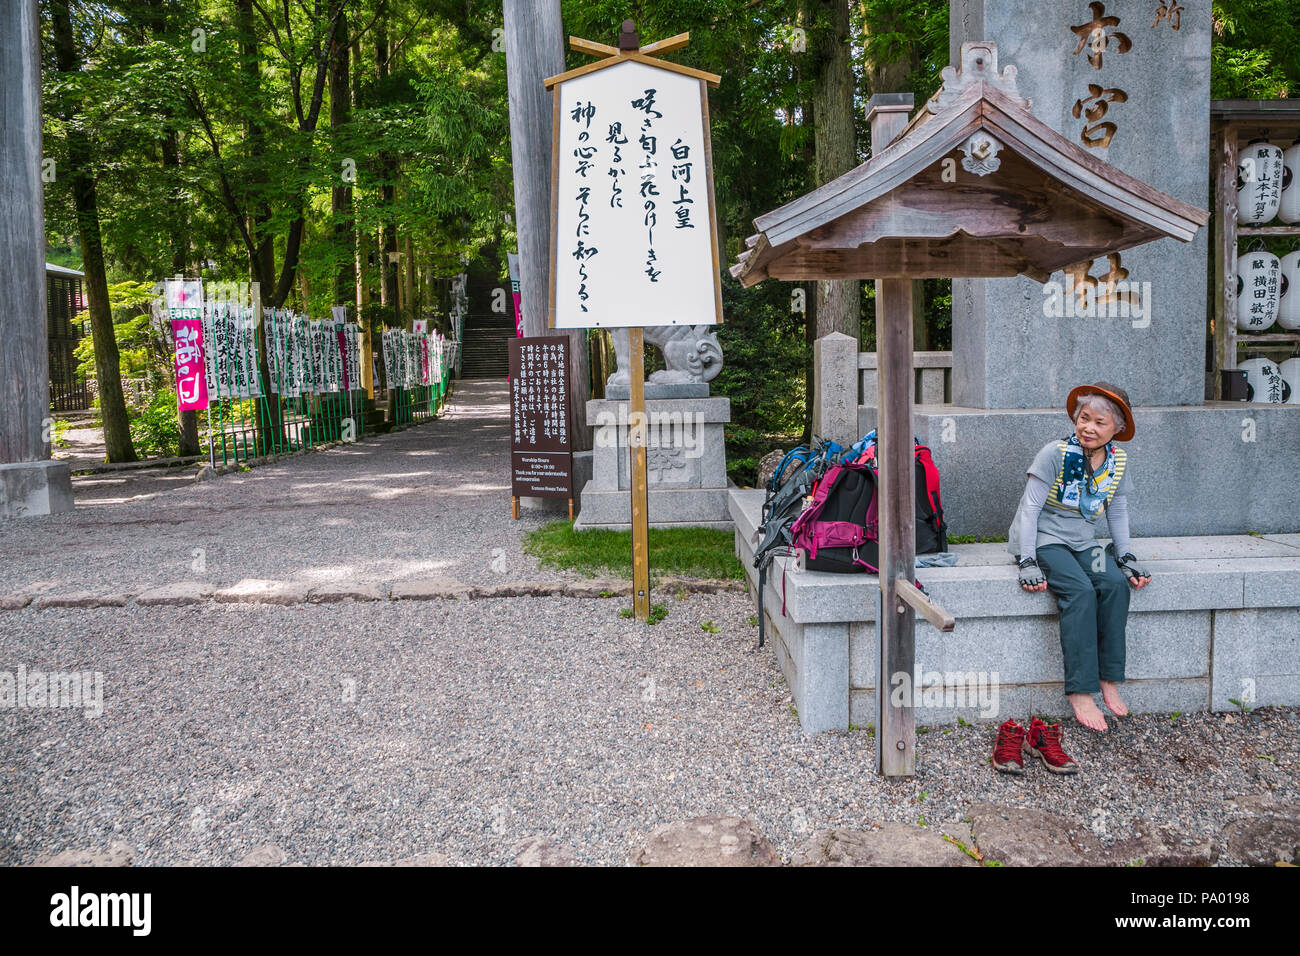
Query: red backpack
{"points": [[931, 530], [838, 529]]}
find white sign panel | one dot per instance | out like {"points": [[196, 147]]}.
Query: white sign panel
{"points": [[633, 242]]}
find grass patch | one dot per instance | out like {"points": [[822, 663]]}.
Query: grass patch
{"points": [[657, 613], [675, 552], [976, 538]]}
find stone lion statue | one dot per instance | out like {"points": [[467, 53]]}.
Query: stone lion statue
{"points": [[691, 353]]}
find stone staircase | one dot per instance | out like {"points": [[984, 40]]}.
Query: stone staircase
{"points": [[483, 346]]}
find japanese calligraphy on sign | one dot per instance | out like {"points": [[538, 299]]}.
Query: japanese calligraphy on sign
{"points": [[185, 310], [540, 452], [634, 241]]}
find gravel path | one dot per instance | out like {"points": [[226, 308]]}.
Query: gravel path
{"points": [[429, 500], [474, 724], [382, 730]]}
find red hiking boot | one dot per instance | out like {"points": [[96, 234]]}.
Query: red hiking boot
{"points": [[1045, 741], [1007, 750]]}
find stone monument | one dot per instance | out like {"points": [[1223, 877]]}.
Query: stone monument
{"points": [[686, 455], [1130, 81]]}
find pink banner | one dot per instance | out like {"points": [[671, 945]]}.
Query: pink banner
{"points": [[191, 382]]}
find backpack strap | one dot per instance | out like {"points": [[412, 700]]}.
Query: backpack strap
{"points": [[931, 481]]}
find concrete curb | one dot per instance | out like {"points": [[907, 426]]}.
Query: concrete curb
{"points": [[288, 593]]}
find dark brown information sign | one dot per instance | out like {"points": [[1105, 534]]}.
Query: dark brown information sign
{"points": [[541, 456]]}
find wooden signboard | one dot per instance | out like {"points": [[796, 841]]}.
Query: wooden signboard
{"points": [[541, 454], [634, 239], [635, 234]]}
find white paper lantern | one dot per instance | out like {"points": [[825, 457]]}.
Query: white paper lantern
{"points": [[1259, 183], [1288, 303], [1290, 370], [1289, 211], [1264, 382], [1259, 281]]}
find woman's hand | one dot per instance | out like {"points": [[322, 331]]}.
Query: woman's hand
{"points": [[1137, 578], [1031, 576]]}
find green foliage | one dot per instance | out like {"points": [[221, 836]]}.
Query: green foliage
{"points": [[657, 613], [680, 552], [140, 342], [763, 374], [1256, 50], [200, 155], [155, 429]]}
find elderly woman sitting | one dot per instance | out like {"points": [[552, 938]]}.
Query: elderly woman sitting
{"points": [[1072, 481]]}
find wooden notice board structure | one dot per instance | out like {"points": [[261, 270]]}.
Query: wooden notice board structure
{"points": [[634, 239], [972, 187], [541, 452]]}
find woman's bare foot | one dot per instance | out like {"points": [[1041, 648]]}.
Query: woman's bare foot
{"points": [[1110, 694], [1087, 712]]}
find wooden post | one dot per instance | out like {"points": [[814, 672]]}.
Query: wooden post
{"points": [[1225, 258], [636, 437], [24, 358], [514, 507], [895, 726]]}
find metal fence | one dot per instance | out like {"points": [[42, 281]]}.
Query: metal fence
{"points": [[307, 388]]}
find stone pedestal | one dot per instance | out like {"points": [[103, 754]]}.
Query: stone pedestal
{"points": [[685, 458], [29, 488]]}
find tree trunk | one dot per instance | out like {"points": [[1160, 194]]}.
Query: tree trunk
{"points": [[261, 266], [408, 273], [341, 201], [389, 293], [188, 421], [108, 372], [838, 302]]}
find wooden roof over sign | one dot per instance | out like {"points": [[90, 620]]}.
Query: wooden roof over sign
{"points": [[974, 187]]}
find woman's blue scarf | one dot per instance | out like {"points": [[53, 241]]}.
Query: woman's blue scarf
{"points": [[1076, 489]]}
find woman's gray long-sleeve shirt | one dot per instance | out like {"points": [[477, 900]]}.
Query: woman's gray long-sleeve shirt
{"points": [[1033, 502], [1033, 528]]}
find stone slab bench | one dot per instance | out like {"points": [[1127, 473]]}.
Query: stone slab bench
{"points": [[1219, 623]]}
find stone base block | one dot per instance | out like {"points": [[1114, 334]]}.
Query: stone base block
{"points": [[694, 507], [1218, 628], [622, 393], [35, 488]]}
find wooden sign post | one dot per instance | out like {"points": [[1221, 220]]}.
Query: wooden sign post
{"points": [[634, 239]]}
